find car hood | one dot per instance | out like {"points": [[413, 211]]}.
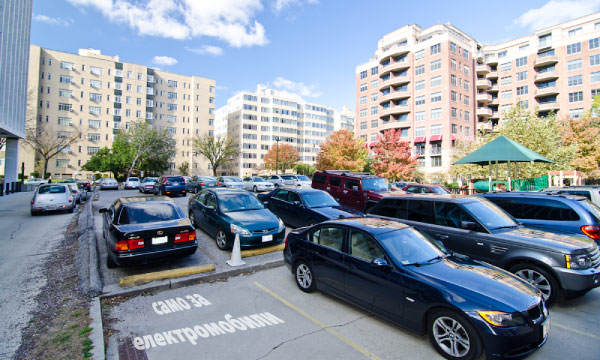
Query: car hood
{"points": [[380, 194], [332, 213], [253, 219], [545, 239], [482, 284]]}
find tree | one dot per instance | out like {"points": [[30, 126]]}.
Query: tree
{"points": [[150, 148], [342, 151], [109, 160], [304, 169], [393, 159], [583, 133], [218, 151], [281, 157], [47, 147], [184, 168]]}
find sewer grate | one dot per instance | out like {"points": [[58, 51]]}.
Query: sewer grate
{"points": [[128, 352]]}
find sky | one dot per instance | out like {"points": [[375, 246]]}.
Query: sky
{"points": [[308, 47]]}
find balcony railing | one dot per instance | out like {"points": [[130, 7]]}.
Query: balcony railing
{"points": [[483, 97], [483, 83], [484, 111], [482, 69]]}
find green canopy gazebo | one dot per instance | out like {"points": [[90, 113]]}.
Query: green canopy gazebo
{"points": [[499, 151]]}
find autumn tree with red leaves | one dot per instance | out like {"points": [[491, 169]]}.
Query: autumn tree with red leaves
{"points": [[286, 159], [342, 151], [393, 159]]}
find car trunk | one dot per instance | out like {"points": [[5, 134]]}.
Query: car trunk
{"points": [[158, 236]]}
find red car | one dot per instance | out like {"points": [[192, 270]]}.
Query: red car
{"points": [[84, 185], [425, 189]]}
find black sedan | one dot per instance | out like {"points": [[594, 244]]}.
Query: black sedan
{"points": [[303, 207], [393, 270], [139, 229]]}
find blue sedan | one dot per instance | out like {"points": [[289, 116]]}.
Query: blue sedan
{"points": [[302, 207], [225, 212]]}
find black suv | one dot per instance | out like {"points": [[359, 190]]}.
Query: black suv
{"points": [[556, 264]]}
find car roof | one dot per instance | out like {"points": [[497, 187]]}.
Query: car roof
{"points": [[220, 191], [123, 201], [299, 190], [446, 197], [372, 225], [347, 173], [536, 194]]}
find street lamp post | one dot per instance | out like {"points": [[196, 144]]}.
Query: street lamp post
{"points": [[110, 163], [276, 154]]}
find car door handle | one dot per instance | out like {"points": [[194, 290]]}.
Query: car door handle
{"points": [[480, 244], [442, 237]]}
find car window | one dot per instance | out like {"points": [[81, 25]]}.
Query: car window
{"points": [[52, 189], [202, 198], [409, 246], [293, 197], [489, 215], [320, 179], [318, 199], [288, 177], [134, 179], [538, 209], [247, 179], [350, 183], [303, 178], [332, 237], [314, 236], [335, 181], [391, 208], [592, 209], [274, 177], [140, 213], [450, 214], [258, 179], [363, 247], [413, 189], [420, 210], [281, 195], [239, 202], [211, 200], [175, 179]]}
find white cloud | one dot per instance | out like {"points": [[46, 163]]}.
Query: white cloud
{"points": [[296, 87], [554, 12], [164, 60], [279, 5], [206, 49], [51, 20], [232, 21]]}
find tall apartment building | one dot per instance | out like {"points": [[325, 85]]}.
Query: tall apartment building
{"points": [[256, 120], [99, 95], [344, 119], [439, 84]]}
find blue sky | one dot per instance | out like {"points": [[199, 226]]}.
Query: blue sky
{"points": [[310, 47]]}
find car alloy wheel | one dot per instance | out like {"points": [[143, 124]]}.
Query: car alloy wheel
{"points": [[254, 189], [304, 277], [192, 219], [451, 336], [221, 240], [539, 278]]}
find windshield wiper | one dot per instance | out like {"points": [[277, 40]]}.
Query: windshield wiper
{"points": [[506, 227], [436, 258]]}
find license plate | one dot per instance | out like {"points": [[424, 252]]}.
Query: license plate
{"points": [[160, 240], [175, 183], [267, 238], [545, 328]]}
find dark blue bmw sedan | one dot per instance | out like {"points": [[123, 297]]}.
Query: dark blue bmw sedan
{"points": [[389, 268]]}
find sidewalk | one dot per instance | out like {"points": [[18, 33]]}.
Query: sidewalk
{"points": [[15, 199]]}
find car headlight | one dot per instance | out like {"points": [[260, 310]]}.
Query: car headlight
{"points": [[578, 261], [239, 230], [281, 225], [502, 319]]}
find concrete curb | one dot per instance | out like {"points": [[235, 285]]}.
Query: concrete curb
{"points": [[97, 334], [132, 280], [95, 278], [192, 280]]}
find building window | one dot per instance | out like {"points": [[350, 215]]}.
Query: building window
{"points": [[507, 66], [420, 85], [576, 96], [466, 85], [453, 112], [363, 100], [502, 54], [452, 48], [452, 64], [419, 69], [363, 125], [420, 116], [420, 100], [435, 49], [467, 116], [594, 43], [466, 70], [453, 95], [507, 80], [466, 100], [63, 121], [95, 97], [594, 60], [453, 80], [436, 114], [374, 70], [574, 32], [94, 124], [363, 113], [435, 81], [374, 110], [374, 123], [363, 87], [522, 76], [522, 90], [575, 80], [420, 131], [545, 40], [419, 54], [374, 97], [65, 107], [454, 129], [373, 84], [576, 113], [64, 93], [435, 65], [574, 64], [96, 84], [65, 79], [96, 70], [506, 94], [95, 110], [595, 77], [522, 61], [436, 97], [465, 54], [574, 48], [363, 74]]}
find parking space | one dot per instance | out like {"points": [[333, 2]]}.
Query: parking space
{"points": [[211, 321], [207, 253]]}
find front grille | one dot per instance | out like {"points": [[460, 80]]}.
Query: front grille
{"points": [[595, 255], [534, 312], [265, 231]]}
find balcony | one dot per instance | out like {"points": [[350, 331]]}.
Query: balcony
{"points": [[395, 80], [545, 60], [484, 111], [394, 125], [485, 126], [394, 66], [546, 75], [494, 88], [494, 101], [545, 91], [491, 59], [548, 106], [482, 69], [492, 74], [149, 91], [483, 97], [150, 79], [483, 84], [435, 151], [394, 50], [394, 110], [394, 95]]}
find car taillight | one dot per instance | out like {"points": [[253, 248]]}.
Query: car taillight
{"points": [[135, 243], [286, 241], [592, 231], [32, 201], [202, 184], [121, 245], [70, 200], [185, 236]]}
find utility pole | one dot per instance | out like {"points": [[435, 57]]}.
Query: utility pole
{"points": [[276, 154]]}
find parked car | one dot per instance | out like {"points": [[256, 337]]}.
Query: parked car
{"points": [[52, 197], [467, 307], [302, 207], [233, 182], [170, 185], [556, 264], [591, 192], [139, 229], [223, 212], [567, 214], [199, 183], [77, 194], [425, 189], [109, 183], [147, 185], [276, 180], [296, 180], [84, 185], [35, 181], [359, 191], [132, 183], [256, 184]]}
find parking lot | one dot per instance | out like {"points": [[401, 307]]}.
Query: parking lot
{"points": [[290, 324], [207, 253]]}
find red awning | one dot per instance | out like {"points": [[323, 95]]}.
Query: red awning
{"points": [[435, 138], [420, 139]]}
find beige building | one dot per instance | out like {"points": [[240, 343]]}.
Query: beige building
{"points": [[257, 120], [99, 95]]}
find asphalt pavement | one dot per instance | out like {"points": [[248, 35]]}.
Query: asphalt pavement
{"points": [[25, 242]]}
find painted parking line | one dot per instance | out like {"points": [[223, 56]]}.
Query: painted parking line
{"points": [[165, 274], [578, 332], [264, 250], [318, 323]]}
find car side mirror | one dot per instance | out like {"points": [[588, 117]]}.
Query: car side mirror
{"points": [[103, 210], [381, 264], [265, 202], [297, 203], [355, 188], [468, 225]]}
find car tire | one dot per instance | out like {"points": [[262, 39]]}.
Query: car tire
{"points": [[453, 336], [305, 276], [541, 279], [254, 189], [192, 219], [72, 209], [33, 213], [221, 239], [110, 263]]}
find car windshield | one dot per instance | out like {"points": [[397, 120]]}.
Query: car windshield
{"points": [[175, 179], [149, 180], [593, 209], [147, 212], [134, 179], [489, 215], [303, 178], [319, 199], [408, 247], [239, 202], [439, 190], [232, 179], [258, 179], [51, 189], [288, 177], [374, 184]]}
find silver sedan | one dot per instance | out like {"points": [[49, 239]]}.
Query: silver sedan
{"points": [[52, 197]]}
